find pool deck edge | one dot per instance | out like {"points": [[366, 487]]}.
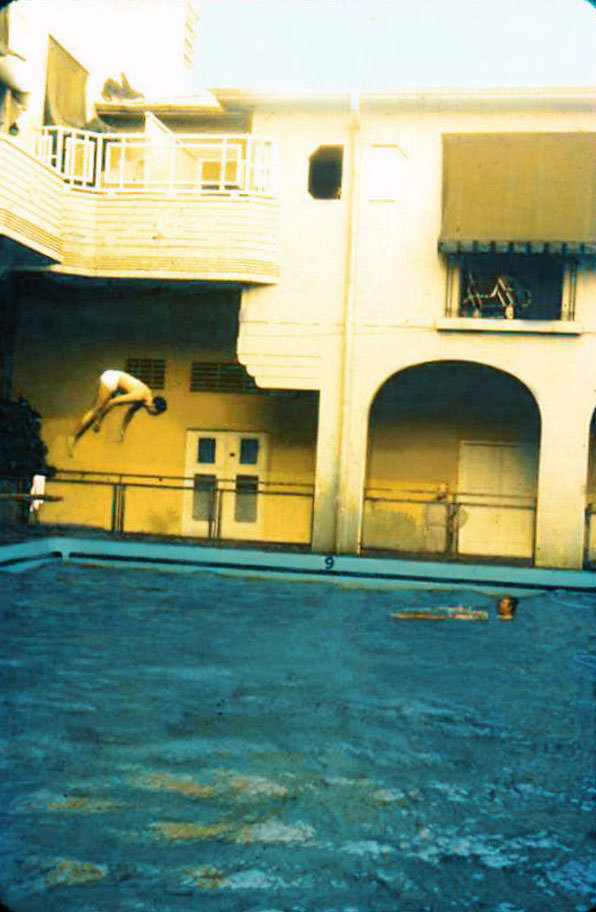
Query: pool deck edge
{"points": [[369, 571]]}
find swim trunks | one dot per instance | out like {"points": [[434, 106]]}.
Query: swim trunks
{"points": [[111, 380]]}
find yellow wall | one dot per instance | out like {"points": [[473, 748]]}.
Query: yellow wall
{"points": [[70, 332]]}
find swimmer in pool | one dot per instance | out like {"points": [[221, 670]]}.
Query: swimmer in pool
{"points": [[506, 608], [117, 388]]}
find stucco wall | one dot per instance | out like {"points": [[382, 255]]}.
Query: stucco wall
{"points": [[352, 325], [399, 276]]}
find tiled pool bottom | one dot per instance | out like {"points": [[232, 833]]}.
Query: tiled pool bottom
{"points": [[198, 742]]}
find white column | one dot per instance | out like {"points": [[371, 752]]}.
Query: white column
{"points": [[563, 468], [327, 469], [351, 488], [332, 503], [339, 476], [351, 464]]}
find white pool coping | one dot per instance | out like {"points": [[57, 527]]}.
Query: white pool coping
{"points": [[370, 572]]}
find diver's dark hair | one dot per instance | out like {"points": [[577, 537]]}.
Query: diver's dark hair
{"points": [[159, 404]]}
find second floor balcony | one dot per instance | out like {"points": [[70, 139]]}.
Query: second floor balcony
{"points": [[166, 162], [160, 206]]}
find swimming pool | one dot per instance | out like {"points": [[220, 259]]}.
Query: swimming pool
{"points": [[182, 742]]}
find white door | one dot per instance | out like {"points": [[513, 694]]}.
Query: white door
{"points": [[227, 469], [497, 485]]}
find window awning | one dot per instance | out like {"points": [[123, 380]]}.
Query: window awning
{"points": [[519, 193], [66, 86]]}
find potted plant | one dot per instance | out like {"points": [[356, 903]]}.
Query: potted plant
{"points": [[22, 455]]}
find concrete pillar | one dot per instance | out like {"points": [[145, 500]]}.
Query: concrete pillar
{"points": [[562, 474], [351, 488], [327, 469], [339, 483], [336, 402]]}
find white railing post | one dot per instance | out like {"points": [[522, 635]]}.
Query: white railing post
{"points": [[273, 168], [223, 163], [248, 164], [122, 156], [97, 178], [68, 141], [172, 174], [59, 150]]}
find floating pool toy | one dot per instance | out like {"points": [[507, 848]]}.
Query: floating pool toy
{"points": [[441, 613]]}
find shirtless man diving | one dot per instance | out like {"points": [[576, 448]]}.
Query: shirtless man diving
{"points": [[117, 388]]}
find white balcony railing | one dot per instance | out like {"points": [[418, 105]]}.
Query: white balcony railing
{"points": [[134, 162]]}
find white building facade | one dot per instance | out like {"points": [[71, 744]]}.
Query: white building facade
{"points": [[373, 316]]}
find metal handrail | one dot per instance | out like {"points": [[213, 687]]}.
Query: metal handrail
{"points": [[120, 483], [111, 478], [416, 502], [457, 498]]}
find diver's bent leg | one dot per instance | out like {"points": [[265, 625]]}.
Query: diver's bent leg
{"points": [[92, 417]]}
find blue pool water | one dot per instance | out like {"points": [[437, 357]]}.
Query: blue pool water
{"points": [[196, 742]]}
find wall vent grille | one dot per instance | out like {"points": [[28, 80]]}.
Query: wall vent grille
{"points": [[230, 377], [151, 371], [222, 377]]}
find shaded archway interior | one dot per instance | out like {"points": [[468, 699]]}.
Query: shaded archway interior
{"points": [[591, 496], [464, 427]]}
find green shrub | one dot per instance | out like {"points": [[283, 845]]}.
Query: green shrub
{"points": [[22, 451]]}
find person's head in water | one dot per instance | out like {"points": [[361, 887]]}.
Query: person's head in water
{"points": [[158, 405], [506, 608]]}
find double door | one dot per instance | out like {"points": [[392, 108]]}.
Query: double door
{"points": [[225, 496]]}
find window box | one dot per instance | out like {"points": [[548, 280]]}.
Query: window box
{"points": [[540, 327]]}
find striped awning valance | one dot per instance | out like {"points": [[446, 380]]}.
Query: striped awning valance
{"points": [[562, 248]]}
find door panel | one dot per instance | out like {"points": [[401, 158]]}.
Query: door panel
{"points": [[497, 484]]}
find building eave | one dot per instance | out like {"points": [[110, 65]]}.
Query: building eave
{"points": [[576, 97]]}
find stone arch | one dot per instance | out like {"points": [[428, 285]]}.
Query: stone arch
{"points": [[463, 435], [518, 375]]}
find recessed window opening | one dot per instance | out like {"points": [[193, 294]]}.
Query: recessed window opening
{"points": [[510, 287], [325, 172]]}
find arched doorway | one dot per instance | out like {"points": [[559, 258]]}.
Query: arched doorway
{"points": [[452, 463]]}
